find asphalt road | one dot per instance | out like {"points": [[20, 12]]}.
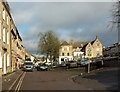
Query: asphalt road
{"points": [[49, 80], [58, 80], [62, 79]]}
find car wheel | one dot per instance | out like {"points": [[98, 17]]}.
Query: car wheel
{"points": [[37, 69]]}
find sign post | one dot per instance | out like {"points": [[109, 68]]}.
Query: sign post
{"points": [[88, 67]]}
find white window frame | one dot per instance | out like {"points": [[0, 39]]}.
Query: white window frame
{"points": [[7, 37], [7, 20], [4, 35], [68, 49], [0, 30], [62, 48], [4, 14]]}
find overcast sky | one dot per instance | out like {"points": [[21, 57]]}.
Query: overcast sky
{"points": [[78, 21]]}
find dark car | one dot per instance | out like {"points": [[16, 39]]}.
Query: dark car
{"points": [[42, 66], [83, 61], [71, 63], [63, 64]]}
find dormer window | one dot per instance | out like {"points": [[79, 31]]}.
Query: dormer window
{"points": [[97, 44]]}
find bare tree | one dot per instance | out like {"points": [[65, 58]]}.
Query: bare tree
{"points": [[116, 16], [48, 44], [116, 21]]}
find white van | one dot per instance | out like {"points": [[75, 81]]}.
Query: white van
{"points": [[28, 66]]}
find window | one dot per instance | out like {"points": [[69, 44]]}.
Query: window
{"points": [[62, 59], [62, 54], [97, 44], [89, 54], [97, 49], [0, 29], [67, 48], [63, 49], [98, 54], [68, 54], [7, 37], [4, 14], [4, 35], [7, 20]]}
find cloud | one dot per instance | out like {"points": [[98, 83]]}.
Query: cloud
{"points": [[78, 21]]}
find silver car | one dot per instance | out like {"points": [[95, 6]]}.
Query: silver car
{"points": [[42, 66]]}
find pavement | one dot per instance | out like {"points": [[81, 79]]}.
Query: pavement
{"points": [[106, 79], [9, 79]]}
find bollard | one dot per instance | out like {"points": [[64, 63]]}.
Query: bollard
{"points": [[88, 67], [102, 62]]}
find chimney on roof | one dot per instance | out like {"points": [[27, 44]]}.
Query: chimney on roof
{"points": [[96, 37]]}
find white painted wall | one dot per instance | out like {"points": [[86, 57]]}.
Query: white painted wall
{"points": [[78, 53], [65, 57]]}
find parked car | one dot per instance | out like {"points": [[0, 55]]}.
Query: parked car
{"points": [[71, 63], [55, 64], [63, 64], [83, 61], [48, 63], [28, 66], [42, 66], [87, 60]]}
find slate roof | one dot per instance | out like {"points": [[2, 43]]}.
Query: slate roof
{"points": [[92, 42], [78, 44], [83, 49], [65, 43]]}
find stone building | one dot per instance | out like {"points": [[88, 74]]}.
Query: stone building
{"points": [[65, 52], [75, 50], [11, 48], [93, 48], [5, 31], [77, 46], [113, 50]]}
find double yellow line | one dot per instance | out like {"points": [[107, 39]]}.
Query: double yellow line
{"points": [[17, 88], [20, 83]]}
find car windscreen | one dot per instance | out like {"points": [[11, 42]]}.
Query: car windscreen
{"points": [[28, 63]]}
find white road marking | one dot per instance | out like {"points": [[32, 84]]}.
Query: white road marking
{"points": [[14, 82], [20, 82]]}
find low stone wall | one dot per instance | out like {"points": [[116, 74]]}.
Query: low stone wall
{"points": [[112, 62]]}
